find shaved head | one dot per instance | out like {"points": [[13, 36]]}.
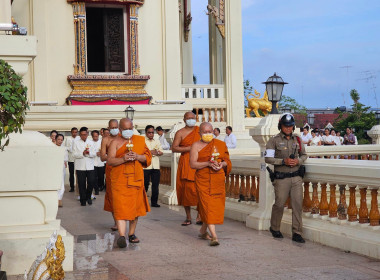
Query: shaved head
{"points": [[205, 126], [126, 124], [112, 122], [189, 115]]}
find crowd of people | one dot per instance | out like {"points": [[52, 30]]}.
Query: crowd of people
{"points": [[124, 164], [327, 137]]}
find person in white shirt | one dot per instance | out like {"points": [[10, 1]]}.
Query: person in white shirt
{"points": [[327, 139], [230, 139], [336, 138], [340, 137], [53, 135], [84, 155], [152, 172], [315, 140], [58, 141], [306, 136], [217, 134], [164, 144], [99, 166], [69, 146]]}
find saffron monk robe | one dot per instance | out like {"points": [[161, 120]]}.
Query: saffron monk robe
{"points": [[113, 126], [211, 160], [127, 179], [183, 139]]}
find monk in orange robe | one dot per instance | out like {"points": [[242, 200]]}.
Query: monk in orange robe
{"points": [[128, 155], [184, 138], [211, 160], [113, 126]]}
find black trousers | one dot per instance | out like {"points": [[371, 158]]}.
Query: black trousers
{"points": [[86, 182], [154, 176], [71, 178], [99, 172]]}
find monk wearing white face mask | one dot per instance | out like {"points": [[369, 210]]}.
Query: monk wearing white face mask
{"points": [[113, 126], [184, 138]]}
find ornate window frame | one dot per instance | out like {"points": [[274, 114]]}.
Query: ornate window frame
{"points": [[98, 88]]}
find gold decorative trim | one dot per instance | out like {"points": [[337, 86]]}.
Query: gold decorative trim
{"points": [[134, 27], [79, 10], [139, 2], [91, 88]]}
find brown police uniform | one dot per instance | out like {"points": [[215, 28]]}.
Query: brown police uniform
{"points": [[278, 148]]}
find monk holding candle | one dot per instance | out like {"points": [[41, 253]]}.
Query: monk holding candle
{"points": [[184, 138], [113, 126], [128, 155], [211, 160]]}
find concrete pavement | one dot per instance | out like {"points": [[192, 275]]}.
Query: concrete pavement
{"points": [[171, 251]]}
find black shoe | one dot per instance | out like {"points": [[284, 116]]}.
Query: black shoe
{"points": [[298, 238], [276, 233], [71, 190], [89, 201], [155, 205], [101, 189], [96, 193], [83, 203], [121, 242]]}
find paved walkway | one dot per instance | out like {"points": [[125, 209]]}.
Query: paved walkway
{"points": [[171, 251]]}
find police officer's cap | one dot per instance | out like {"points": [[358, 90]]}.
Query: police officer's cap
{"points": [[286, 119]]}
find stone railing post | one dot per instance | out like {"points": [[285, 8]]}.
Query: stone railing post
{"points": [[260, 218], [374, 133]]}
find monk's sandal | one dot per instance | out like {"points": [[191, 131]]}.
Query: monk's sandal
{"points": [[133, 239], [121, 242]]}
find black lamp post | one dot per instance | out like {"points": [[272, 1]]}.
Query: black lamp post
{"points": [[274, 85], [310, 119], [377, 115], [129, 112]]}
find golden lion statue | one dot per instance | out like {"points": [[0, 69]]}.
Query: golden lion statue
{"points": [[256, 103]]}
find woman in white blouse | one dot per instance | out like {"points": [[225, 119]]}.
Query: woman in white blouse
{"points": [[315, 140], [58, 141]]}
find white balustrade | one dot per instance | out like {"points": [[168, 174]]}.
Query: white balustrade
{"points": [[203, 91]]}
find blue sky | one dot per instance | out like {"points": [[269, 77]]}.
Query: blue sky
{"points": [[307, 43]]}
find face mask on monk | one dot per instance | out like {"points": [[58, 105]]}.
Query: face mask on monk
{"points": [[114, 131], [191, 122], [128, 133], [207, 138]]}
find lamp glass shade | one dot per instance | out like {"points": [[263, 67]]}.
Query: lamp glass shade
{"points": [[274, 87], [129, 112]]}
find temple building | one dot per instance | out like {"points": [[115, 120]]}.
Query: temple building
{"points": [[94, 57]]}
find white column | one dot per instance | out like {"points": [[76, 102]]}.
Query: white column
{"points": [[186, 47], [260, 218], [216, 50], [5, 11], [234, 89], [171, 54]]}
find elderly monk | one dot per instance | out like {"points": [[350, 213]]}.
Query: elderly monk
{"points": [[128, 155], [113, 126], [183, 139], [211, 160]]}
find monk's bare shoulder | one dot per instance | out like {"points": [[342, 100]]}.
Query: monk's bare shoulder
{"points": [[197, 146]]}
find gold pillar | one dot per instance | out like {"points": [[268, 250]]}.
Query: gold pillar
{"points": [[134, 54], [79, 10]]}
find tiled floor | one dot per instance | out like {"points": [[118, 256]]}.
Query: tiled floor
{"points": [[171, 251]]}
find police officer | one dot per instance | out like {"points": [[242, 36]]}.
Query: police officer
{"points": [[286, 152]]}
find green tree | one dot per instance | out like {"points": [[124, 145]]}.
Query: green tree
{"points": [[291, 103], [355, 96], [248, 89], [13, 103], [360, 119]]}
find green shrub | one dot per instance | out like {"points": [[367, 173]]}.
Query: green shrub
{"points": [[13, 103]]}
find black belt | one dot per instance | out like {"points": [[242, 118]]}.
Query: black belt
{"points": [[283, 175]]}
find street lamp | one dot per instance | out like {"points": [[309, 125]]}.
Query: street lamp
{"points": [[274, 86], [310, 119], [377, 115], [129, 112]]}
